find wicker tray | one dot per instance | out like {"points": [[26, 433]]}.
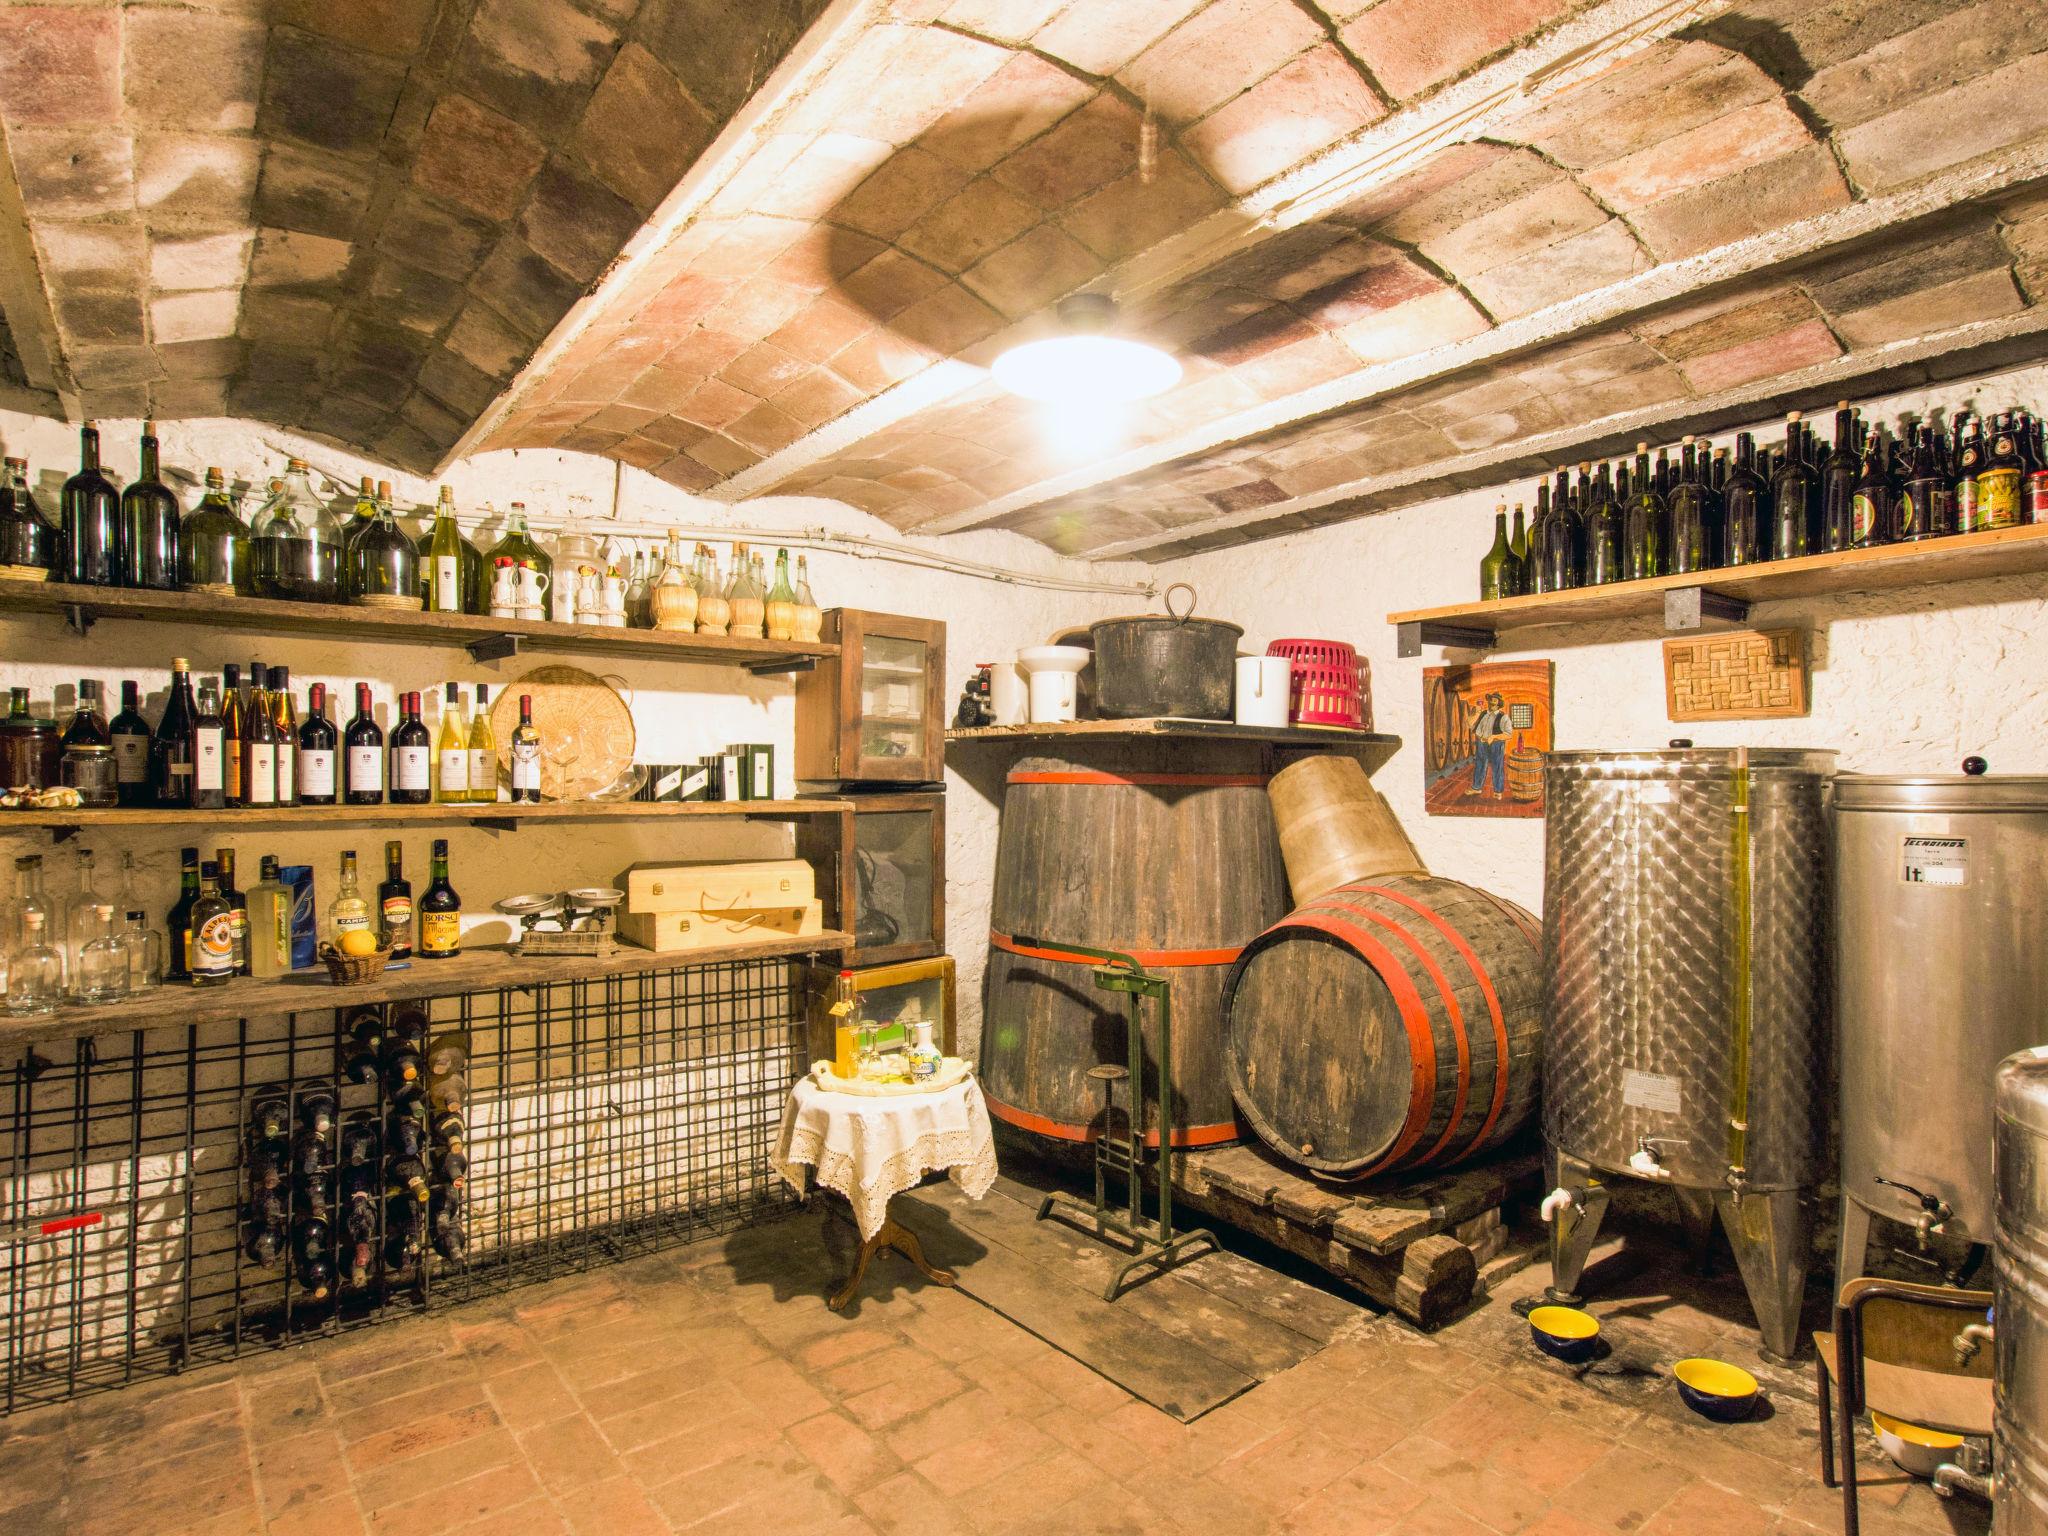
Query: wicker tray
{"points": [[586, 730]]}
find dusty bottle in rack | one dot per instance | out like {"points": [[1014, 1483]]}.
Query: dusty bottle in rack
{"points": [[29, 541], [91, 514], [231, 731], [384, 565], [1927, 507], [1746, 500], [444, 563], [1515, 575], [1793, 495], [150, 523], [35, 972], [1601, 562]]}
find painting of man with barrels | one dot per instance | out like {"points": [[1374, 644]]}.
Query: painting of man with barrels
{"points": [[1485, 730]]}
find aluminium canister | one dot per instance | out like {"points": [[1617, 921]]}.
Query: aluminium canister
{"points": [[2019, 1284]]}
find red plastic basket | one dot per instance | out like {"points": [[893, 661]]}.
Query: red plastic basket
{"points": [[1328, 684]]}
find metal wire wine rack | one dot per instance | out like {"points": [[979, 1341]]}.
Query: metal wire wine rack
{"points": [[608, 1117]]}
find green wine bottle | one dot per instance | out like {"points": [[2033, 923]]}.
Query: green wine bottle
{"points": [[1494, 563]]}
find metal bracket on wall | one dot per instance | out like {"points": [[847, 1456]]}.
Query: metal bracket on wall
{"points": [[495, 823], [494, 648], [1689, 608], [783, 664], [80, 617], [63, 834], [1410, 638]]}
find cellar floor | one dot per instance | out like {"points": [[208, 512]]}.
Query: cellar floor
{"points": [[710, 1390]]}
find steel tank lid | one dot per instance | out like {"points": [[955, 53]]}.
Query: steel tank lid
{"points": [[1956, 793], [1816, 758], [2022, 1089]]}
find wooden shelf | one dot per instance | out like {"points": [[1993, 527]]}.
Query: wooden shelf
{"points": [[502, 818], [1169, 725], [486, 639], [1683, 601], [483, 968]]}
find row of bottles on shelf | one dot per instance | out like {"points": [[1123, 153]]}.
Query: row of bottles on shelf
{"points": [[1707, 511], [90, 948], [227, 747], [294, 548], [348, 1193]]}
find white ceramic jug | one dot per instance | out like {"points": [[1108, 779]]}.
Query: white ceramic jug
{"points": [[504, 590], [530, 587]]}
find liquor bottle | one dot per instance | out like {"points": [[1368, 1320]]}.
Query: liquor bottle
{"points": [[348, 912], [88, 747], [1872, 510], [394, 904], [91, 511], [412, 755], [1645, 524], [1838, 479], [1969, 459], [780, 613], [178, 921], [209, 757], [483, 752], [363, 755], [259, 741], [526, 755], [1926, 504], [128, 734], [27, 537], [170, 749], [1516, 577], [30, 755], [384, 565], [1491, 565], [295, 547], [270, 922], [213, 546], [238, 907], [212, 926], [231, 722], [150, 521], [1602, 559], [444, 558], [1791, 493], [316, 751], [1998, 482], [440, 911], [1745, 499], [451, 750], [284, 716], [1695, 533]]}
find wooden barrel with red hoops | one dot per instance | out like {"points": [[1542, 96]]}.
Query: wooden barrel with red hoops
{"points": [[1390, 1023], [1164, 850]]}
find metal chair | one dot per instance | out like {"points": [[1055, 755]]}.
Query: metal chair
{"points": [[1896, 1347]]}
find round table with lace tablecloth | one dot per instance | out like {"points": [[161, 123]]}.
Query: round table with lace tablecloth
{"points": [[869, 1148]]}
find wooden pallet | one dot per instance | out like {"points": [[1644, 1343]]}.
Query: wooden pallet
{"points": [[1414, 1244]]}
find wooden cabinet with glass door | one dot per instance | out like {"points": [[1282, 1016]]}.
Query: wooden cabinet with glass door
{"points": [[875, 712], [894, 879]]}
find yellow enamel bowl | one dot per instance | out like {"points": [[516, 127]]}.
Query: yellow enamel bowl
{"points": [[1916, 1450], [1717, 1390], [1564, 1333]]}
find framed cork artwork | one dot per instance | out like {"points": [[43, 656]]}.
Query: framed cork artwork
{"points": [[1486, 729], [1750, 674]]}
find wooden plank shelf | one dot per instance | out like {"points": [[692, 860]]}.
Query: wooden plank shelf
{"points": [[1171, 725], [486, 639], [480, 969], [498, 818], [1684, 602]]}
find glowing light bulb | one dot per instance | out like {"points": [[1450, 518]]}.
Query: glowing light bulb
{"points": [[1084, 365]]}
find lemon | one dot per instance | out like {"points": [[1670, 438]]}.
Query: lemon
{"points": [[358, 942]]}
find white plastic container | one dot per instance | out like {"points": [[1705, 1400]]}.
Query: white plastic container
{"points": [[1262, 684], [1053, 670], [1009, 696]]}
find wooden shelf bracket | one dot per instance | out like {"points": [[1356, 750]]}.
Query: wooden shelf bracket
{"points": [[1411, 636], [1688, 608]]}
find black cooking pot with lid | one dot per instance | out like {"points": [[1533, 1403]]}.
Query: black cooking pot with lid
{"points": [[1170, 664]]}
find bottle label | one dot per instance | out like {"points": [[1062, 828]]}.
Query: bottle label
{"points": [[366, 769], [412, 768], [207, 752], [526, 766], [448, 584], [352, 919], [316, 771], [262, 775], [440, 932], [455, 771], [1862, 519], [2035, 502], [398, 918], [1998, 498], [213, 946], [1909, 514], [1966, 504], [287, 774], [131, 759], [482, 773], [231, 764]]}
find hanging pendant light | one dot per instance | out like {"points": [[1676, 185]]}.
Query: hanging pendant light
{"points": [[1085, 363]]}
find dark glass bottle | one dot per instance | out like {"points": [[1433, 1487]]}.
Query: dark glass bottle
{"points": [[296, 543], [1838, 476], [286, 720], [412, 755], [440, 911], [1745, 507], [1602, 560], [213, 546], [209, 768], [363, 755], [1494, 563], [317, 743], [364, 1053], [212, 930], [259, 741], [1998, 482], [27, 538], [238, 907], [170, 750], [231, 729], [88, 750], [1557, 569], [1645, 524], [394, 903], [129, 734], [313, 1257], [1969, 458], [1537, 535], [1696, 532], [91, 512], [358, 523], [1927, 507], [1872, 510], [1514, 581], [150, 524], [525, 747], [1791, 493], [178, 921]]}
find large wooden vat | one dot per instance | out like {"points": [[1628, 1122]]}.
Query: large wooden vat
{"points": [[1390, 1023], [1335, 828], [1163, 850]]}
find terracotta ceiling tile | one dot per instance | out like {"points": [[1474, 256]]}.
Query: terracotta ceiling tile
{"points": [[917, 478], [1300, 366], [824, 256], [878, 360], [591, 387], [1561, 271], [619, 417], [1703, 154], [1800, 347], [1212, 55], [1032, 271], [589, 440], [661, 388], [1132, 215], [1302, 108], [1014, 106], [641, 130], [763, 369], [643, 452], [687, 473], [968, 225], [1241, 498], [755, 308], [1007, 21], [826, 326], [948, 321], [1601, 356], [476, 158], [1670, 91], [684, 302], [1190, 404], [1517, 230], [722, 455], [891, 283], [766, 429], [1434, 320], [743, 246], [671, 430], [1725, 320], [898, 193], [1268, 330], [757, 174], [1410, 45], [1092, 147], [895, 82], [396, 28], [1489, 178], [1394, 279], [822, 176], [819, 395], [715, 404], [1442, 170], [1099, 37], [60, 67], [1979, 296], [1762, 197]]}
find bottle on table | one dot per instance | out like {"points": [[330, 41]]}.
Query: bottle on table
{"points": [[270, 922], [213, 544], [150, 523], [1493, 564], [284, 717], [412, 755], [1746, 502], [29, 541], [90, 513], [363, 755], [526, 755], [88, 746], [440, 911], [394, 904], [317, 744], [451, 750], [209, 754], [259, 741], [128, 733], [483, 752], [238, 906], [178, 921], [212, 925], [348, 912]]}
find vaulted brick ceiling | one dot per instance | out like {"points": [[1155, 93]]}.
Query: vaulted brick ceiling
{"points": [[1399, 245]]}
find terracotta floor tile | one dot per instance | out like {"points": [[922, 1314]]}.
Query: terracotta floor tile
{"points": [[961, 1468], [1623, 1489], [924, 1388], [568, 1453], [974, 1412], [849, 1457], [381, 1483], [447, 1505], [407, 1437], [1366, 1501], [306, 1469], [780, 1394], [907, 1505], [529, 1395], [617, 1506], [330, 1517]]}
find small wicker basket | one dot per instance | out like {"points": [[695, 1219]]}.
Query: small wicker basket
{"points": [[353, 970]]}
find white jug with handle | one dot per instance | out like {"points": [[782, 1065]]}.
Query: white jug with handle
{"points": [[504, 590], [530, 589]]}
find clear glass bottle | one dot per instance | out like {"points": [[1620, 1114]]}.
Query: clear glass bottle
{"points": [[79, 920], [483, 751], [35, 973], [349, 912], [809, 621], [636, 590], [213, 546], [444, 563], [749, 603], [28, 539], [714, 609], [270, 922], [102, 964], [142, 952], [296, 546], [672, 600], [28, 901], [779, 612]]}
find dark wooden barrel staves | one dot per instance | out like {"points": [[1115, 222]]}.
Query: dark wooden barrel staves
{"points": [[1390, 1023], [1164, 850]]}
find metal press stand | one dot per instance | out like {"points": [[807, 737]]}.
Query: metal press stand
{"points": [[1156, 1241]]}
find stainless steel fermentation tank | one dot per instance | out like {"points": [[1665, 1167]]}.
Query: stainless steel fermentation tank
{"points": [[1686, 1001], [1941, 922], [2019, 1287]]}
